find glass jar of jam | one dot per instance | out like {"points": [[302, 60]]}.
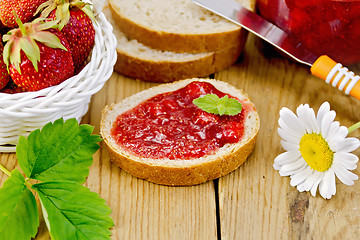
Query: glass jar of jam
{"points": [[330, 27]]}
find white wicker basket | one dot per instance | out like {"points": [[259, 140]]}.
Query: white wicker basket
{"points": [[22, 113]]}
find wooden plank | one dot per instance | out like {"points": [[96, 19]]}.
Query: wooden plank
{"points": [[143, 210], [140, 209], [255, 202]]}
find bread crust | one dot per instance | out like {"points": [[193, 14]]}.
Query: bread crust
{"points": [[155, 69], [177, 42], [169, 71], [186, 175], [176, 172]]}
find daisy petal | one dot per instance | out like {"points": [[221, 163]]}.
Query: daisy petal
{"points": [[287, 157], [326, 122], [289, 146], [300, 177], [290, 122], [332, 185], [334, 127], [337, 137], [347, 160], [312, 120], [309, 182], [346, 145], [292, 168], [316, 183], [324, 108], [325, 187], [288, 137], [307, 117], [301, 187], [344, 175]]}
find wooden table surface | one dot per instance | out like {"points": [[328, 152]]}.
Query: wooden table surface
{"points": [[252, 202]]}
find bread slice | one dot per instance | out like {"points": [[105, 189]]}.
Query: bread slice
{"points": [[138, 61], [176, 25], [180, 172]]}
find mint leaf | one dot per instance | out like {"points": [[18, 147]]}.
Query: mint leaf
{"points": [[60, 151], [211, 103], [19, 217], [208, 103], [229, 106], [72, 211]]}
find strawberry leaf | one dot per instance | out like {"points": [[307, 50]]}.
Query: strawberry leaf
{"points": [[49, 39], [6, 51], [15, 55], [61, 150], [44, 24], [19, 217], [88, 11], [63, 14], [45, 8], [31, 50], [72, 211]]}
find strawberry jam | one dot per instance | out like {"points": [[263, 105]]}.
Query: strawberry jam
{"points": [[330, 27], [170, 126]]}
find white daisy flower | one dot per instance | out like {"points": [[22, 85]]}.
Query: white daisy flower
{"points": [[317, 149]]}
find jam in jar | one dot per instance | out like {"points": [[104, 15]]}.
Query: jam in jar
{"points": [[330, 27]]}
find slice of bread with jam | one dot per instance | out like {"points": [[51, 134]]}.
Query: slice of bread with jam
{"points": [[160, 135]]}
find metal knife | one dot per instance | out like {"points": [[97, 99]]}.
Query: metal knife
{"points": [[323, 67]]}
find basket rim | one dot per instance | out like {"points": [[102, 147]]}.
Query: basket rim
{"points": [[58, 101], [44, 93]]}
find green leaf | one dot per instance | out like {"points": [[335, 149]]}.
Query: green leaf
{"points": [[31, 50], [6, 51], [211, 103], [88, 11], [233, 107], [208, 103], [60, 151], [19, 217], [63, 14], [49, 39], [72, 211], [15, 57]]}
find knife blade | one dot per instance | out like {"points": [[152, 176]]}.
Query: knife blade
{"points": [[321, 66]]}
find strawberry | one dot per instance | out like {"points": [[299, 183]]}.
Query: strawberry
{"points": [[12, 88], [37, 55], [4, 75], [24, 9], [75, 23], [3, 29]]}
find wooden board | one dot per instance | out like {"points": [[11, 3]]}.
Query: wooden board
{"points": [[253, 202]]}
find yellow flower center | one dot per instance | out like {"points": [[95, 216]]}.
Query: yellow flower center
{"points": [[316, 152]]}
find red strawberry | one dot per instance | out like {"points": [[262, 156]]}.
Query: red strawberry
{"points": [[37, 55], [4, 75], [76, 25], [3, 29], [12, 88], [24, 9]]}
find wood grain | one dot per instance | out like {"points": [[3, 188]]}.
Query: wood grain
{"points": [[143, 210], [254, 202]]}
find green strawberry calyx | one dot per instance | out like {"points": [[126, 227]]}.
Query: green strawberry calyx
{"points": [[25, 37], [63, 10]]}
